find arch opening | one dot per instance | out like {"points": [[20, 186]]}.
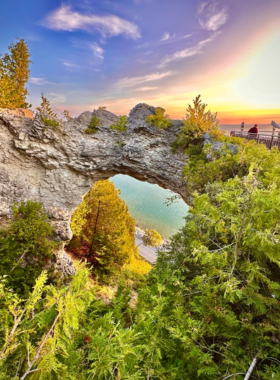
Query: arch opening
{"points": [[115, 216]]}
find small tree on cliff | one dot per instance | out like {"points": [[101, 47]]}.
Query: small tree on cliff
{"points": [[198, 121], [14, 74], [45, 107]]}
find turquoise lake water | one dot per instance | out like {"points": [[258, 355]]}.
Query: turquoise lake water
{"points": [[146, 204]]}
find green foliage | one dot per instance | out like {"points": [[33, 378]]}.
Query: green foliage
{"points": [[121, 143], [103, 230], [14, 74], [93, 127], [41, 335], [205, 165], [120, 126], [159, 120], [51, 123], [152, 238], [223, 273], [198, 121], [26, 246]]}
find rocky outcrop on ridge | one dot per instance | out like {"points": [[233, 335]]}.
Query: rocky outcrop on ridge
{"points": [[57, 168]]}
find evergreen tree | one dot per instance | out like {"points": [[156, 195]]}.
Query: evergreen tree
{"points": [[198, 121], [104, 232], [14, 74]]}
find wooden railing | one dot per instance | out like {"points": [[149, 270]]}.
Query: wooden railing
{"points": [[268, 139]]}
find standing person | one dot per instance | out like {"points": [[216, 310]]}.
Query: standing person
{"points": [[254, 129]]}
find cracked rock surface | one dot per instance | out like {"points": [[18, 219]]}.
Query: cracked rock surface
{"points": [[57, 167]]}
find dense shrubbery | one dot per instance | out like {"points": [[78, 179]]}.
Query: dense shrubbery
{"points": [[159, 120], [26, 246], [121, 125], [93, 127]]}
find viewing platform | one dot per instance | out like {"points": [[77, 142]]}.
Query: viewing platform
{"points": [[269, 139]]}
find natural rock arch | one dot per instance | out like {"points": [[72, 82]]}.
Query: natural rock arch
{"points": [[58, 168]]}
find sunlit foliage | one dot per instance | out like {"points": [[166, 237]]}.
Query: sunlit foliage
{"points": [[137, 265], [14, 74], [121, 125], [159, 120], [103, 230], [152, 238], [198, 121]]}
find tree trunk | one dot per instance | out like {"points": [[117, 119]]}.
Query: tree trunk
{"points": [[95, 228]]}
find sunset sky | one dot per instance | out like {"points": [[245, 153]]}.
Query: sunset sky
{"points": [[90, 53]]}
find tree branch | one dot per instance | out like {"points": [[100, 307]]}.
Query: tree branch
{"points": [[251, 369], [29, 369]]}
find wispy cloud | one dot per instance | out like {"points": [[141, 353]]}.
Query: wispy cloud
{"points": [[64, 18], [165, 37], [189, 52], [57, 98], [39, 81], [70, 64], [133, 81], [211, 15], [146, 88], [97, 50]]}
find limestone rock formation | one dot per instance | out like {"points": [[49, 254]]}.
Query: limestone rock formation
{"points": [[58, 167]]}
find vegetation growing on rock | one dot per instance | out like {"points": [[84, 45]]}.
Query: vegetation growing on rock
{"points": [[45, 107], [48, 115], [50, 123], [198, 121], [121, 125], [93, 126], [159, 120]]}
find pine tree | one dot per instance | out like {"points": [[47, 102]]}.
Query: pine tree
{"points": [[104, 232], [14, 74], [198, 121]]}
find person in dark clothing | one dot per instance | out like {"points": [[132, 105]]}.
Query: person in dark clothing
{"points": [[254, 129]]}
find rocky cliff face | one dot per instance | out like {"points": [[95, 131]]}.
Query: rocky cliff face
{"points": [[57, 168]]}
